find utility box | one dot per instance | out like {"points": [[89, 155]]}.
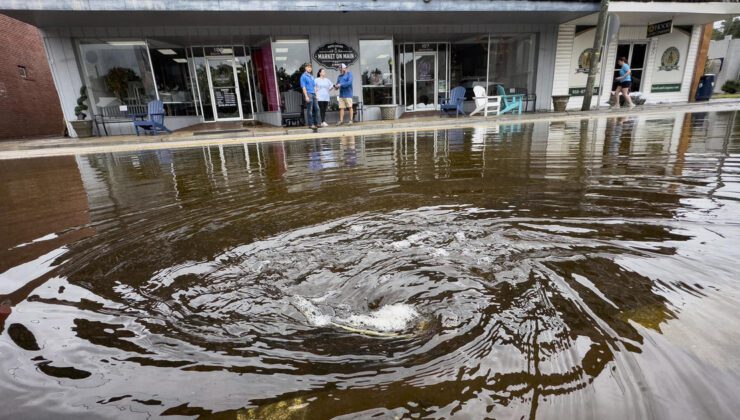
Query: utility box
{"points": [[706, 87]]}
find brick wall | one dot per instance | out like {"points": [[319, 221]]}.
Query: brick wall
{"points": [[29, 107]]}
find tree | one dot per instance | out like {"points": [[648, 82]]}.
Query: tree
{"points": [[729, 26]]}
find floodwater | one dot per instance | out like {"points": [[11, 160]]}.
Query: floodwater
{"points": [[581, 269]]}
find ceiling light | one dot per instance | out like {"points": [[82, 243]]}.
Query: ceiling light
{"points": [[281, 58], [180, 60], [281, 50], [167, 51], [382, 56]]}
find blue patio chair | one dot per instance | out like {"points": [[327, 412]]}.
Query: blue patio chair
{"points": [[509, 103], [153, 121], [454, 102]]}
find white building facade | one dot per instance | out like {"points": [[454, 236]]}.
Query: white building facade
{"points": [[240, 60]]}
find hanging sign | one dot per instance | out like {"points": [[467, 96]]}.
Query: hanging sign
{"points": [[660, 28], [335, 53]]}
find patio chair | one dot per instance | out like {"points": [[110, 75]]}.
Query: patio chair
{"points": [[454, 102], [292, 111], [511, 103], [154, 120], [485, 103]]}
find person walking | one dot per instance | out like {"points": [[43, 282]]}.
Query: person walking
{"points": [[308, 85], [344, 84], [323, 85], [624, 82]]}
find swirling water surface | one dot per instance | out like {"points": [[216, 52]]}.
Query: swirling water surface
{"points": [[582, 269]]}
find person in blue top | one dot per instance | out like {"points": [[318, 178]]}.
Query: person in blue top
{"points": [[623, 82], [308, 85], [344, 84]]}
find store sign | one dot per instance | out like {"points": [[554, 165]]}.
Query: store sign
{"points": [[666, 87], [584, 61], [581, 91], [669, 59], [335, 53], [660, 28], [218, 51]]}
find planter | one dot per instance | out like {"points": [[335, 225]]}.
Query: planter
{"points": [[83, 128], [388, 112], [560, 102]]}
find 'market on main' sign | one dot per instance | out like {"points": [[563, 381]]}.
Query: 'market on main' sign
{"points": [[660, 28], [334, 54]]}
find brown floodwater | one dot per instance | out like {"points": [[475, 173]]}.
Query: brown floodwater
{"points": [[581, 269]]}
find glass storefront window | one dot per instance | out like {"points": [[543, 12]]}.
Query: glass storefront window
{"points": [[117, 73], [376, 68], [468, 63], [201, 78], [511, 64], [289, 56], [172, 76], [244, 71]]}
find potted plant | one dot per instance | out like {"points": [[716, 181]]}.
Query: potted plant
{"points": [[560, 102], [82, 126]]}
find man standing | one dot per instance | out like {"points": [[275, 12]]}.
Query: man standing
{"points": [[309, 93], [344, 84], [624, 82]]}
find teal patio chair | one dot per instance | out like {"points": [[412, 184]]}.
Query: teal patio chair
{"points": [[509, 102]]}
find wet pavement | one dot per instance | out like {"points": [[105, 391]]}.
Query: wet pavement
{"points": [[554, 269]]}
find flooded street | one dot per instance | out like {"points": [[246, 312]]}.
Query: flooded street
{"points": [[581, 269]]}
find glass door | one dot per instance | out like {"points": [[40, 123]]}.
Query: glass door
{"points": [[425, 81], [635, 55], [224, 88]]}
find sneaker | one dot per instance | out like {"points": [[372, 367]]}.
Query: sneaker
{"points": [[632, 106], [349, 123], [339, 123], [324, 124]]}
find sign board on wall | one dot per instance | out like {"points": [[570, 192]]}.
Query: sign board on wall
{"points": [[660, 28], [670, 52], [335, 53], [580, 61]]}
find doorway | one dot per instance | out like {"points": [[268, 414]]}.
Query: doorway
{"points": [[635, 53], [423, 75], [224, 86]]}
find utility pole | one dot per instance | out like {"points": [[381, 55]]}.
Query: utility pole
{"points": [[596, 56]]}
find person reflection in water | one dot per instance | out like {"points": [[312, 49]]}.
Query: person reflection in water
{"points": [[347, 145]]}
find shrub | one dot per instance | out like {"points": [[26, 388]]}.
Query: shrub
{"points": [[731, 86]]}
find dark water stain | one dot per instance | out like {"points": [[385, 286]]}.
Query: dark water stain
{"points": [[23, 337], [67, 372], [582, 269]]}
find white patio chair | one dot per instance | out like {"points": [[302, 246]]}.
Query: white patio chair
{"points": [[485, 103]]}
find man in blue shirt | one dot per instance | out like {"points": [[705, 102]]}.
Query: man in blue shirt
{"points": [[344, 84], [624, 82], [309, 93]]}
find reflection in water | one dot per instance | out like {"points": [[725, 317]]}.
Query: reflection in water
{"points": [[574, 269]]}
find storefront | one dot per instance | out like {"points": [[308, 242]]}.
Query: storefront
{"points": [[244, 64]]}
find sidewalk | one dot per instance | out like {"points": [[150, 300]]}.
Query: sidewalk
{"points": [[16, 149]]}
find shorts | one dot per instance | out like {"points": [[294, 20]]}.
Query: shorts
{"points": [[345, 103], [625, 84]]}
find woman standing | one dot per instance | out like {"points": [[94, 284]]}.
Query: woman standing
{"points": [[323, 85]]}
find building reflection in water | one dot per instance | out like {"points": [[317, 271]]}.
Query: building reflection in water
{"points": [[560, 309]]}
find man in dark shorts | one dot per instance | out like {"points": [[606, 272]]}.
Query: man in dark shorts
{"points": [[624, 82]]}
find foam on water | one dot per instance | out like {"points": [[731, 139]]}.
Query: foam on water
{"points": [[387, 319]]}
